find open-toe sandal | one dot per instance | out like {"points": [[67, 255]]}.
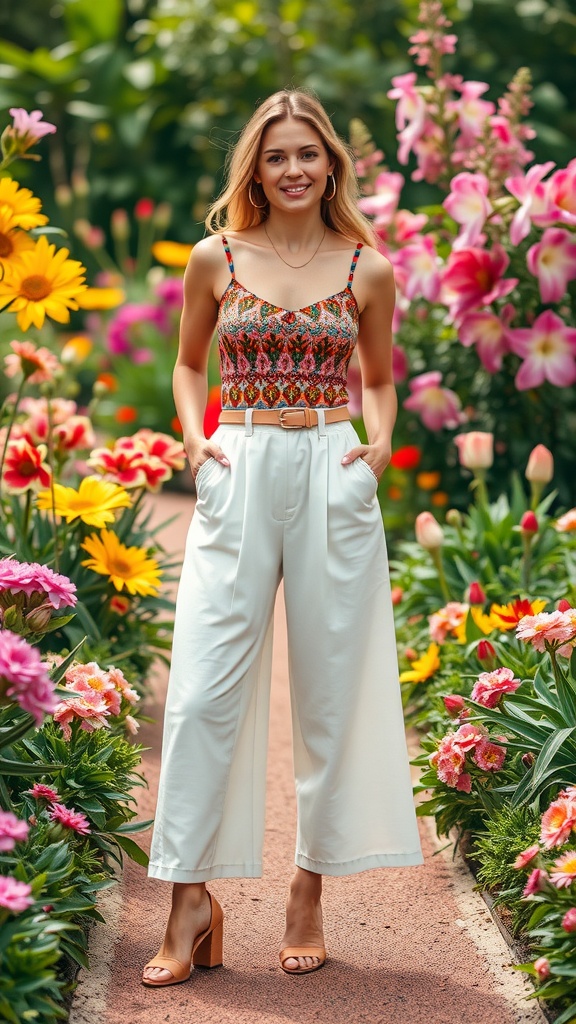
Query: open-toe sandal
{"points": [[293, 952], [206, 951]]}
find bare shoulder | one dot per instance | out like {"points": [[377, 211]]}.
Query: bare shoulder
{"points": [[207, 254], [376, 269]]}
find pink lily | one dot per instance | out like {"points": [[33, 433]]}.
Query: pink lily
{"points": [[533, 195], [438, 407], [473, 277], [489, 333], [421, 264], [469, 206], [548, 349], [553, 262]]}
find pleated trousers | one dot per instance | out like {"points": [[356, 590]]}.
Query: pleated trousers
{"points": [[286, 508]]}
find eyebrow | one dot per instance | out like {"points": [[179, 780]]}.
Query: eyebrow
{"points": [[311, 145]]}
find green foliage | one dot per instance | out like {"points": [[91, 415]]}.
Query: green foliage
{"points": [[505, 834]]}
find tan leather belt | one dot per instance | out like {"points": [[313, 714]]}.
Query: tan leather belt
{"points": [[290, 419]]}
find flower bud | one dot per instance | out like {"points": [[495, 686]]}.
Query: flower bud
{"points": [[410, 654], [429, 533], [564, 605], [397, 594], [475, 449], [162, 216], [540, 468], [454, 518], [542, 968], [486, 655], [144, 209], [529, 524], [569, 920], [454, 704], [38, 619], [475, 594], [119, 224], [528, 759]]}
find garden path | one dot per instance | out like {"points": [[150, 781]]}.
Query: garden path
{"points": [[413, 945]]}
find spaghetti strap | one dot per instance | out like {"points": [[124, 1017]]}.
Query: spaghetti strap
{"points": [[353, 266], [228, 254]]}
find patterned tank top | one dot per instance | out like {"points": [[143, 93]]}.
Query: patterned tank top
{"points": [[271, 357]]}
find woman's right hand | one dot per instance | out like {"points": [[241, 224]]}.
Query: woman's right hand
{"points": [[199, 450]]}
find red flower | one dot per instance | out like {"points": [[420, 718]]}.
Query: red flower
{"points": [[24, 467], [144, 209], [529, 524], [407, 457]]}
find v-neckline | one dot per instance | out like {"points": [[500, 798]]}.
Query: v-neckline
{"points": [[283, 309]]}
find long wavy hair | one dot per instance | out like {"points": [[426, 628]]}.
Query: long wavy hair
{"points": [[233, 209]]}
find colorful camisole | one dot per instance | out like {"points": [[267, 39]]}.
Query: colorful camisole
{"points": [[273, 358]]}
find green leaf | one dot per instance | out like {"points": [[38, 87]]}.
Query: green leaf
{"points": [[132, 849]]}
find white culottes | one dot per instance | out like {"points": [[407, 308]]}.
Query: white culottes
{"points": [[285, 508]]}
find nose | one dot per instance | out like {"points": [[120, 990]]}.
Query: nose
{"points": [[293, 170]]}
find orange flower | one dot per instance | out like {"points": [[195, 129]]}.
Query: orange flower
{"points": [[126, 414], [507, 616], [109, 381], [395, 493], [428, 481], [440, 499]]}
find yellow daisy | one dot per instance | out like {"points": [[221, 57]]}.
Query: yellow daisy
{"points": [[101, 298], [487, 623], [13, 241], [20, 205], [423, 667], [128, 568], [171, 254], [44, 282], [94, 502]]}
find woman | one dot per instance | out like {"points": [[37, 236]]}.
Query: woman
{"points": [[285, 490]]}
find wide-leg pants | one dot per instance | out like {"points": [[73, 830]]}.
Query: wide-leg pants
{"points": [[285, 508]]}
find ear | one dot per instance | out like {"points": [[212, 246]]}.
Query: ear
{"points": [[257, 179]]}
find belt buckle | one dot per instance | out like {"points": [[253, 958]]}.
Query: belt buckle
{"points": [[282, 413]]}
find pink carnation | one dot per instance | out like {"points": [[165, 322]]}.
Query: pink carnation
{"points": [[468, 735], [490, 686], [15, 895], [545, 627], [32, 578], [90, 708], [536, 882], [70, 818], [41, 792], [24, 676], [448, 760], [12, 830], [489, 756], [526, 857]]}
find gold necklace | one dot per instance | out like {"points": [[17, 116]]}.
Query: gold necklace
{"points": [[296, 266]]}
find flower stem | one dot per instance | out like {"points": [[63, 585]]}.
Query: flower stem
{"points": [[50, 440], [437, 559], [11, 422]]}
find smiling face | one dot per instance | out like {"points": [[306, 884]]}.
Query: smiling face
{"points": [[293, 165]]}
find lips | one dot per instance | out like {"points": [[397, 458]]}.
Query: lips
{"points": [[295, 190]]}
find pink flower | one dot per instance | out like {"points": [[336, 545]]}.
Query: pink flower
{"points": [[383, 202], [473, 277], [24, 467], [420, 262], [489, 756], [565, 870], [125, 466], [468, 204], [489, 333], [468, 735], [542, 968], [428, 531], [567, 522], [438, 407], [545, 627], [490, 686], [553, 261], [32, 578], [95, 681], [471, 111], [29, 127], [23, 676], [447, 620], [91, 708], [529, 524], [548, 349], [407, 224], [562, 193], [464, 783], [569, 920], [526, 857], [540, 468], [558, 822], [476, 593], [132, 725], [475, 449], [410, 112], [12, 830], [430, 151], [129, 325], [70, 818], [41, 792], [76, 432], [14, 895], [37, 364], [533, 195], [448, 760], [486, 655], [536, 882], [454, 704]]}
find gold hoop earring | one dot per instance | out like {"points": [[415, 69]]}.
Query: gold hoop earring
{"points": [[331, 197], [255, 205]]}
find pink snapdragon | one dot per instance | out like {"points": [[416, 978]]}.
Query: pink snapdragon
{"points": [[12, 830], [489, 333], [421, 265], [553, 261], [473, 277], [430, 152], [468, 204], [383, 202], [471, 111], [533, 194], [548, 350], [23, 676], [14, 895], [438, 406], [407, 225], [490, 686], [410, 112]]}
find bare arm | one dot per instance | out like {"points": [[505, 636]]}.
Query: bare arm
{"points": [[189, 380], [379, 401]]}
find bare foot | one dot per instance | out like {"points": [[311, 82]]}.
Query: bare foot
{"points": [[189, 916], [303, 918]]}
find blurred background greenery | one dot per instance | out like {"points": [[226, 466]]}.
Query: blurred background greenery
{"points": [[148, 94]]}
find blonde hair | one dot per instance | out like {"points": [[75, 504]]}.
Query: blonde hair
{"points": [[233, 209]]}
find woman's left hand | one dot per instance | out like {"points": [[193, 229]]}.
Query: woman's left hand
{"points": [[376, 456]]}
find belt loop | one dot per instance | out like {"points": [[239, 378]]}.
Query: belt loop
{"points": [[248, 422], [321, 422]]}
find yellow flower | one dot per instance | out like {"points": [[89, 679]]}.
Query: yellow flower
{"points": [[101, 298], [507, 616], [13, 241], [94, 502], [171, 254], [76, 350], [42, 283], [20, 205], [423, 667], [487, 623], [125, 567]]}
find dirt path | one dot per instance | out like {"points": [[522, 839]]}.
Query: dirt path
{"points": [[408, 945]]}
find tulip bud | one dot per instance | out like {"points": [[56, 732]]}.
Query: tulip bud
{"points": [[540, 468], [528, 524], [144, 209], [475, 449], [569, 920], [542, 968], [429, 533], [564, 605], [486, 655], [454, 704], [119, 224], [528, 759], [475, 594], [454, 518]]}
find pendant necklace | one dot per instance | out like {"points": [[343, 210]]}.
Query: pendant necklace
{"points": [[292, 265]]}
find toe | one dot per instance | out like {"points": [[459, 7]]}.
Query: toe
{"points": [[156, 974]]}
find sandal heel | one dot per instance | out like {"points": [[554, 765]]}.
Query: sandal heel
{"points": [[209, 951]]}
